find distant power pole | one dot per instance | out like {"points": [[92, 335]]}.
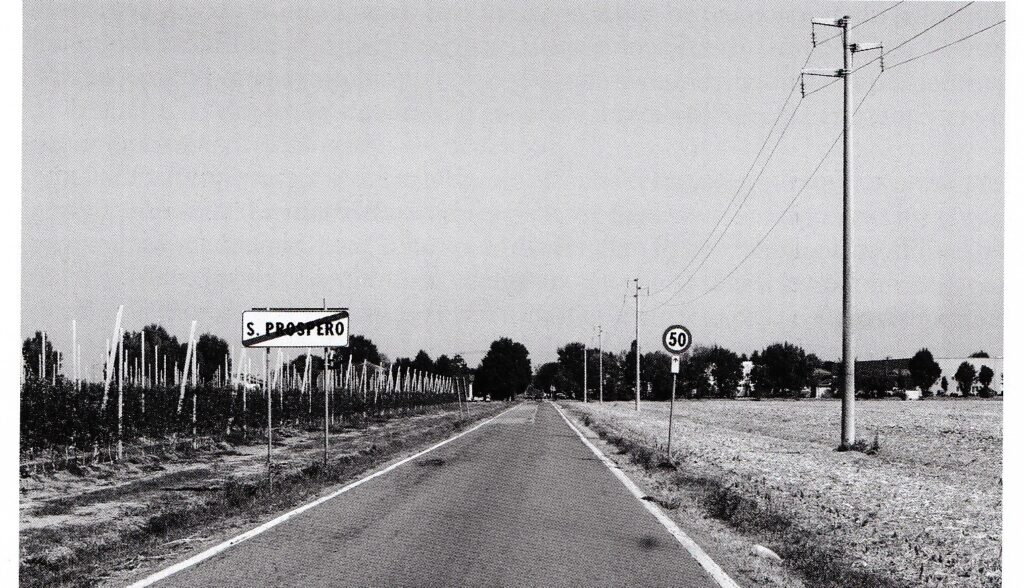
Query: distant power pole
{"points": [[584, 373], [848, 431], [636, 296], [600, 368]]}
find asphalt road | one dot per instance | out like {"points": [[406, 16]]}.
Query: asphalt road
{"points": [[519, 502]]}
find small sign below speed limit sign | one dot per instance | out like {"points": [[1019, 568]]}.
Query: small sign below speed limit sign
{"points": [[677, 339]]}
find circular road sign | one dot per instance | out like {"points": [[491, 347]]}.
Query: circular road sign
{"points": [[677, 339]]}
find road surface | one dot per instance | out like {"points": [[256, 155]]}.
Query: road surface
{"points": [[519, 502]]}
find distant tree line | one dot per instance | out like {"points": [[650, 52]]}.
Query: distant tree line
{"points": [[780, 370]]}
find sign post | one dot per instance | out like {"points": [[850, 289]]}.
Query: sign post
{"points": [[294, 327], [676, 339]]}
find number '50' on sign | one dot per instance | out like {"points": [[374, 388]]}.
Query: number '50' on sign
{"points": [[676, 339]]}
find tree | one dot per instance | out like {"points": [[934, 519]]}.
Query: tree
{"points": [[31, 351], [656, 372], [985, 375], [570, 358], [964, 377], [713, 372], [944, 383], [924, 371], [505, 370], [360, 349], [422, 362], [211, 352], [547, 375], [781, 369], [977, 354]]}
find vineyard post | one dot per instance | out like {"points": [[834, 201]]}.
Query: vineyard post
{"points": [[42, 360], [195, 394], [74, 346], [189, 352], [143, 360]]}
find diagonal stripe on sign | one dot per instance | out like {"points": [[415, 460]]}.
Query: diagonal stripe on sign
{"points": [[301, 326]]}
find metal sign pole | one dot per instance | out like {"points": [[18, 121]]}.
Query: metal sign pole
{"points": [[326, 407], [270, 426], [671, 412]]}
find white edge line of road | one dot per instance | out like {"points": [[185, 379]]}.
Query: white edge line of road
{"points": [[709, 565], [199, 557]]}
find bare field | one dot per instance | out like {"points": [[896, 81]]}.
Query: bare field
{"points": [[116, 521], [924, 511]]}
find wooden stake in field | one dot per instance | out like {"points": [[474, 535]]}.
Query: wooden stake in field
{"points": [[142, 346], [74, 347], [42, 359]]}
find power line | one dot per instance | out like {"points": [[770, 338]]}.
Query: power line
{"points": [[861, 23], [750, 169], [787, 208], [739, 189], [736, 212], [905, 41], [937, 49]]}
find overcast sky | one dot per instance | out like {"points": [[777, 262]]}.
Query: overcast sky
{"points": [[457, 172]]}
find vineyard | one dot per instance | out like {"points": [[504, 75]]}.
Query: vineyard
{"points": [[155, 391]]}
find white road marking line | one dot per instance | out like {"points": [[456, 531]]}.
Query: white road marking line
{"points": [[170, 571], [709, 565]]}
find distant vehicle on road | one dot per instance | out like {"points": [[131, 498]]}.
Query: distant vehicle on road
{"points": [[487, 397]]}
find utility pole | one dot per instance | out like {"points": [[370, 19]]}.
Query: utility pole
{"points": [[636, 296], [848, 427], [584, 373], [600, 368]]}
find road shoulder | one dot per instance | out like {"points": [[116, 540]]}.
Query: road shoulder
{"points": [[733, 552]]}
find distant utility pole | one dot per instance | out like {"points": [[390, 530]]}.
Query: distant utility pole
{"points": [[848, 431], [636, 296], [600, 368], [584, 373]]}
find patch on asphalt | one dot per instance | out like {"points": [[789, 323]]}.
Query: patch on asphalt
{"points": [[436, 462], [649, 542]]}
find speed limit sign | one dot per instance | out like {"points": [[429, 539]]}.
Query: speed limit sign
{"points": [[677, 339]]}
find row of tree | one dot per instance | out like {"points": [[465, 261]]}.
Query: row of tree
{"points": [[779, 370]]}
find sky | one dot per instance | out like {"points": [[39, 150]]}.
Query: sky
{"points": [[458, 172]]}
